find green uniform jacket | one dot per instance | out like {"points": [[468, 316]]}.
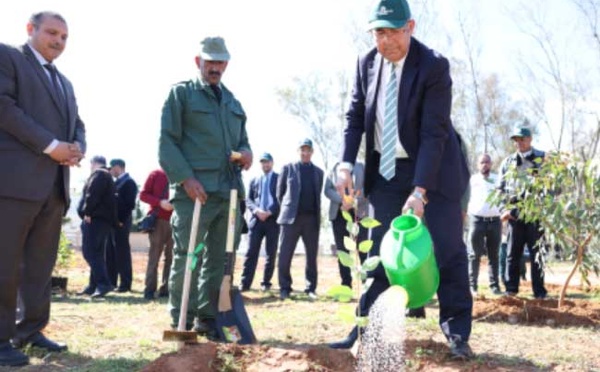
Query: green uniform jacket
{"points": [[198, 135]]}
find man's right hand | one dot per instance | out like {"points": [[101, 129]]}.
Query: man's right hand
{"points": [[166, 205], [505, 216], [195, 190], [344, 184], [66, 152]]}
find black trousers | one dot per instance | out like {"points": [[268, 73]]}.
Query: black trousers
{"points": [[339, 232], [268, 230], [485, 235], [520, 234], [444, 221], [305, 226], [118, 258], [30, 232], [96, 239]]}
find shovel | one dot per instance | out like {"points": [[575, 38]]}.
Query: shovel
{"points": [[181, 334], [233, 324]]}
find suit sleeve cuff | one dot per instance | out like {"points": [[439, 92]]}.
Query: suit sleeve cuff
{"points": [[345, 166], [51, 146]]}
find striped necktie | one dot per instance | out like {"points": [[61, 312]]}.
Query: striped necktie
{"points": [[389, 133]]}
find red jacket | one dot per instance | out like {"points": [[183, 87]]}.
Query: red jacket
{"points": [[155, 189]]}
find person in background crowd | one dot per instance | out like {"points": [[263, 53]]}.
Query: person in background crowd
{"points": [[98, 211], [299, 194], [337, 204], [521, 233], [264, 209], [156, 194], [485, 230], [118, 256]]}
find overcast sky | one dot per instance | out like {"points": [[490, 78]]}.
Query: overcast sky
{"points": [[122, 57]]}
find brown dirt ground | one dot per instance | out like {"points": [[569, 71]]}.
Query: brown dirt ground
{"points": [[522, 310], [258, 358]]}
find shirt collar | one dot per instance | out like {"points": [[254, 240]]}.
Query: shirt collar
{"points": [[399, 64], [42, 61]]}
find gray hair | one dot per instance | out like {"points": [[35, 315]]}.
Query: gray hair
{"points": [[37, 18]]}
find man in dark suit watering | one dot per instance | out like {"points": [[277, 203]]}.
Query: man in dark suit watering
{"points": [[41, 135], [264, 209], [401, 101]]}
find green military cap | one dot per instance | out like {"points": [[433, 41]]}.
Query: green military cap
{"points": [[214, 49], [389, 14], [521, 132]]}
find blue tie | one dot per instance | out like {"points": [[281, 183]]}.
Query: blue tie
{"points": [[389, 133]]}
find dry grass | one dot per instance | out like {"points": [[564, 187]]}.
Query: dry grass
{"points": [[123, 332]]}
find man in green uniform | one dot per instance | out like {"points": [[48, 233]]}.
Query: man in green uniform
{"points": [[203, 147]]}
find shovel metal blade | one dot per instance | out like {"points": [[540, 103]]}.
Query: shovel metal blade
{"points": [[233, 325]]}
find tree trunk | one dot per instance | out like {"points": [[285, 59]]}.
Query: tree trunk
{"points": [[580, 248]]}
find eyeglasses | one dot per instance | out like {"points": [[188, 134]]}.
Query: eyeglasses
{"points": [[381, 33]]}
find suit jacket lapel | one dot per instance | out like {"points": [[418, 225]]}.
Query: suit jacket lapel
{"points": [[39, 69], [409, 72], [373, 78]]}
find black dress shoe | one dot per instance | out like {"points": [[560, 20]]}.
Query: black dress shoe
{"points": [[163, 293], [41, 341], [419, 312], [9, 356], [460, 350], [346, 343], [123, 290], [87, 291], [101, 292], [149, 296], [284, 295]]}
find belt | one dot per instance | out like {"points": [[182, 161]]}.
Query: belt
{"points": [[487, 219]]}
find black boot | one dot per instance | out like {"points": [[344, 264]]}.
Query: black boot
{"points": [[346, 343], [418, 312]]}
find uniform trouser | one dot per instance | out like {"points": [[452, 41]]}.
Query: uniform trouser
{"points": [[339, 232], [519, 234], [161, 240], [118, 257], [444, 221], [208, 273], [30, 233], [307, 227], [269, 230], [96, 239], [485, 235]]}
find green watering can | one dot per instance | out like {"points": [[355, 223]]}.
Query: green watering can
{"points": [[407, 256]]}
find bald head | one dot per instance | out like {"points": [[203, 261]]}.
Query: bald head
{"points": [[484, 164]]}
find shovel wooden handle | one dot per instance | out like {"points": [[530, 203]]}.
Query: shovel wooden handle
{"points": [[224, 295], [187, 278]]}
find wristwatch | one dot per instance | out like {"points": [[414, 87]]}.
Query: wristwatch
{"points": [[419, 195]]}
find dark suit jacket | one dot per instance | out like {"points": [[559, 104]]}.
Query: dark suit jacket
{"points": [[288, 192], [424, 126], [253, 198], [126, 195], [30, 118], [99, 198]]}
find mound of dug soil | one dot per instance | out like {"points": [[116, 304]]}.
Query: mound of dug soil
{"points": [[253, 358], [540, 312]]}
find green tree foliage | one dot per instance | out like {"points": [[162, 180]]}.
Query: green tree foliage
{"points": [[563, 197]]}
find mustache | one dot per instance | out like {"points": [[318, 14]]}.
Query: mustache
{"points": [[214, 73]]}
